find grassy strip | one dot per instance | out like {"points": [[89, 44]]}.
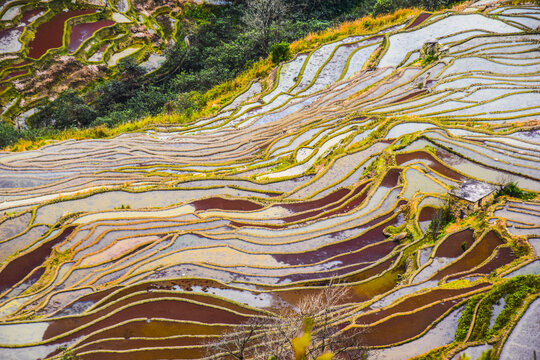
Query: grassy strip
{"points": [[515, 291], [466, 318]]}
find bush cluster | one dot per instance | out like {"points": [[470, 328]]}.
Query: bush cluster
{"points": [[512, 190]]}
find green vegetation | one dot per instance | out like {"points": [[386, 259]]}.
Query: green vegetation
{"points": [[385, 6], [67, 354], [429, 59], [466, 318], [280, 52], [442, 218], [10, 135], [512, 190], [514, 291]]}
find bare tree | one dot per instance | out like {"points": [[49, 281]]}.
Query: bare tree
{"points": [[272, 336], [235, 344], [265, 18]]}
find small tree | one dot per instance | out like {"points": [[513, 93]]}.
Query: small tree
{"points": [[264, 17], [280, 52], [442, 217], [511, 189]]}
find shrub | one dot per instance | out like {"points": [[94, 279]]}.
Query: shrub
{"points": [[466, 318], [512, 190], [441, 219], [280, 52], [429, 59]]}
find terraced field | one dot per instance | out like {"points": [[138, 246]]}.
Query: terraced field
{"points": [[39, 44], [151, 244]]}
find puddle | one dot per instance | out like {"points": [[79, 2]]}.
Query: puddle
{"points": [[49, 35], [81, 32]]}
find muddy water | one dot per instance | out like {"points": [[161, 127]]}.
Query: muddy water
{"points": [[18, 268], [301, 277], [451, 246], [152, 354], [391, 178], [424, 218], [404, 327], [84, 302], [409, 96], [370, 237], [314, 204], [157, 294], [162, 309], [415, 302], [49, 35], [356, 201], [219, 203], [503, 256], [426, 214], [431, 162], [81, 32], [154, 329], [181, 284], [129, 344], [419, 19], [327, 207], [475, 257], [13, 74]]}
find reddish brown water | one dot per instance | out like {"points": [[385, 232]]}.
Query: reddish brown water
{"points": [[23, 23], [314, 204], [409, 96], [30, 14], [219, 203], [503, 256], [378, 269], [451, 246], [148, 354], [481, 251], [314, 213], [13, 74], [415, 302], [351, 204], [391, 178], [162, 309], [426, 214], [81, 32], [156, 294], [49, 35], [184, 284], [90, 298], [351, 200], [419, 19], [404, 327], [130, 344], [431, 162], [370, 237], [19, 267], [350, 263]]}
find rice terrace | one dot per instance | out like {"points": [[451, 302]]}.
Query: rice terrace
{"points": [[370, 194]]}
